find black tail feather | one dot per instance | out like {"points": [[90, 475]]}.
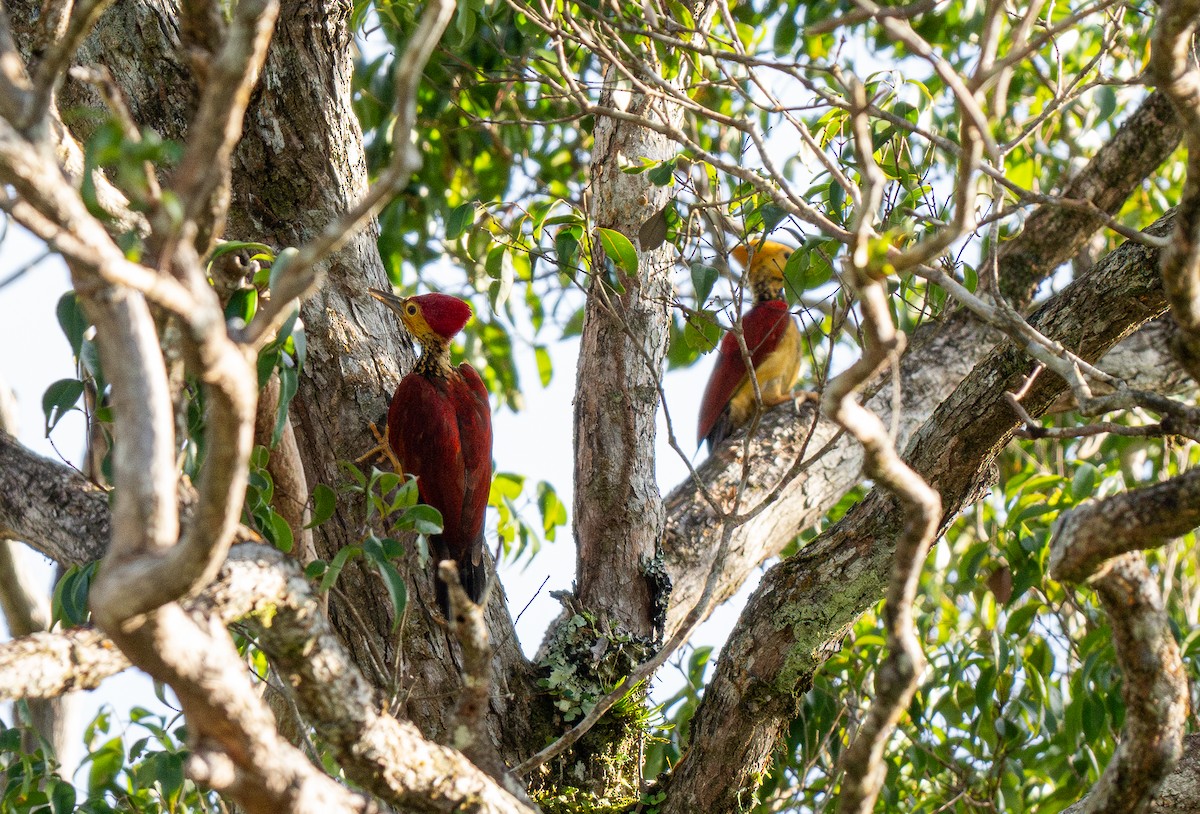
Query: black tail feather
{"points": [[474, 581], [722, 429]]}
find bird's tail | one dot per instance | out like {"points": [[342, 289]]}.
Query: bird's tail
{"points": [[473, 577]]}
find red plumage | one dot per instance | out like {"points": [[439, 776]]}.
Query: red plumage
{"points": [[763, 328], [440, 429]]}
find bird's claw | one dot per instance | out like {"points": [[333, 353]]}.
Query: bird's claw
{"points": [[382, 449]]}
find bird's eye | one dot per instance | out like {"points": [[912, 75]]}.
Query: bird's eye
{"points": [[411, 309]]}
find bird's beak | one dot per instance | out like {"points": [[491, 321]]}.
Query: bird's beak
{"points": [[389, 299]]}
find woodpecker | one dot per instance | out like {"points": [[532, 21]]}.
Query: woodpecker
{"points": [[439, 428], [773, 340]]}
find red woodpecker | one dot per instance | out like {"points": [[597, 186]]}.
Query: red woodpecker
{"points": [[773, 341], [440, 429]]}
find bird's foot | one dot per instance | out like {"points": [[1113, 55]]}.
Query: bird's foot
{"points": [[382, 449], [797, 398]]}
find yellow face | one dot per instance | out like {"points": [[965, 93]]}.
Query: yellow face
{"points": [[766, 267], [410, 314], [409, 311]]}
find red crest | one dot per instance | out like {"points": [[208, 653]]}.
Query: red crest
{"points": [[446, 315]]}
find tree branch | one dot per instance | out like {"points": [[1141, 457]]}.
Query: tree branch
{"points": [[1179, 76], [1155, 686]]}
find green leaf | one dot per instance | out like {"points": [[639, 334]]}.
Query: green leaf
{"points": [[422, 519], [566, 247], [1094, 716], [62, 798], [544, 364], [243, 304], [72, 321], [69, 605], [278, 531], [1083, 485], [786, 32], [795, 273], [619, 249], [279, 267], [505, 485], [1106, 99], [701, 331], [460, 220], [1021, 619], [703, 279], [500, 268], [289, 383], [324, 501], [59, 399], [554, 513], [663, 174], [355, 474], [378, 556], [772, 216], [300, 346], [268, 360], [107, 762], [574, 325], [334, 569]]}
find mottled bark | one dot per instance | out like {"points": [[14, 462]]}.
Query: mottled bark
{"points": [[51, 505], [46, 665], [618, 515], [1140, 145], [26, 609]]}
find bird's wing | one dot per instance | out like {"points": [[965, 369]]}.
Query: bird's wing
{"points": [[423, 430], [728, 372], [762, 327], [475, 430]]}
